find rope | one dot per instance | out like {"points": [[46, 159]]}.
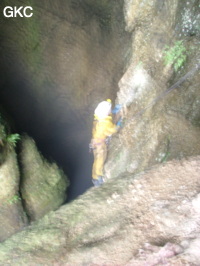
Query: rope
{"points": [[163, 94]]}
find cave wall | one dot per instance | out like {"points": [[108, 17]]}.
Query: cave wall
{"points": [[158, 126], [161, 205], [65, 57], [56, 67]]}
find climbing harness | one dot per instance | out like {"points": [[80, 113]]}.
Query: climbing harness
{"points": [[92, 146], [108, 140]]}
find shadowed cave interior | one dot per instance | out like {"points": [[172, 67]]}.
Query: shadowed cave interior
{"points": [[55, 69], [58, 141]]}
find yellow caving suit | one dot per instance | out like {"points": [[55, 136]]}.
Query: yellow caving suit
{"points": [[101, 130]]}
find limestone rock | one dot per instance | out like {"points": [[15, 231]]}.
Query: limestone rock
{"points": [[12, 216], [157, 126], [43, 184], [112, 225]]}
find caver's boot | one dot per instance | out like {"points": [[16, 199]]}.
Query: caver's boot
{"points": [[100, 179], [96, 182]]}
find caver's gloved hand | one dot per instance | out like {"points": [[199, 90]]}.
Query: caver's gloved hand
{"points": [[117, 111], [120, 122], [117, 108]]}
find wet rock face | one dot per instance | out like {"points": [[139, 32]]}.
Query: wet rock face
{"points": [[158, 126]]}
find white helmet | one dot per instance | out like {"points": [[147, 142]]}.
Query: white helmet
{"points": [[103, 109]]}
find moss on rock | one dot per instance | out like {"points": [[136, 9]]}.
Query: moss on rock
{"points": [[12, 217], [110, 225], [44, 185]]}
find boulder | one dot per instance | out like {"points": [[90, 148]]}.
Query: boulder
{"points": [[43, 184], [12, 216], [153, 215]]}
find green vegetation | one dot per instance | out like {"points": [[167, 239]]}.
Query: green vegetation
{"points": [[13, 200], [9, 139], [12, 140], [167, 153], [175, 55]]}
